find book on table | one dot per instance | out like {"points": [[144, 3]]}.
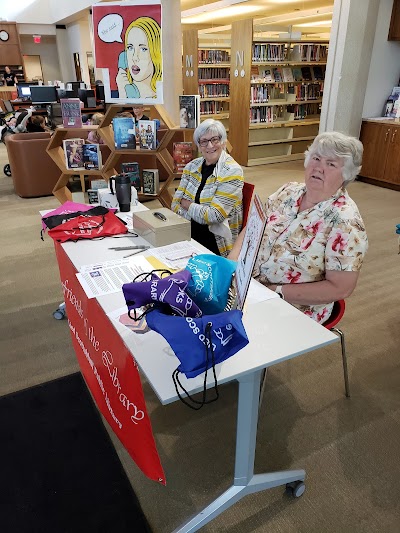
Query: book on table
{"points": [[91, 156], [124, 133], [147, 134], [151, 181], [132, 170], [73, 151], [71, 112], [182, 153], [189, 110]]}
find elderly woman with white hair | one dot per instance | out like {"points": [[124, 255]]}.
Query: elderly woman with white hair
{"points": [[210, 191], [315, 240]]}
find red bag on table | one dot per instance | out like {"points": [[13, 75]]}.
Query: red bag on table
{"points": [[88, 227]]}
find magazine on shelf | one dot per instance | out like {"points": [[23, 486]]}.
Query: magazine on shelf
{"points": [[189, 110], [297, 75], [124, 133], [147, 134], [287, 74], [254, 231], [132, 170], [73, 151], [306, 73], [92, 156], [391, 109], [150, 181], [318, 73], [277, 74], [267, 75], [182, 153], [71, 112]]}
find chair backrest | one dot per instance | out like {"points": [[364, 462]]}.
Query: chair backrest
{"points": [[248, 189], [337, 312]]}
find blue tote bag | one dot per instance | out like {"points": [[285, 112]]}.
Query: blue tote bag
{"points": [[199, 344]]}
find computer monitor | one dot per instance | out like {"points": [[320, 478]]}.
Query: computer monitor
{"points": [[63, 93], [23, 91], [100, 92], [43, 94], [74, 86], [83, 95]]}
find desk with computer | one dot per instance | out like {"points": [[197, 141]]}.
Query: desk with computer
{"points": [[42, 96]]}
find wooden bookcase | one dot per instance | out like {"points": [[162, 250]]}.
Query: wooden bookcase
{"points": [[56, 152], [206, 71], [273, 121], [160, 159], [10, 50]]}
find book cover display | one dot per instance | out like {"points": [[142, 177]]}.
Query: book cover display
{"points": [[119, 29], [73, 151], [147, 134], [189, 110], [71, 112], [182, 153], [124, 133], [91, 156], [150, 181], [133, 171], [391, 109]]}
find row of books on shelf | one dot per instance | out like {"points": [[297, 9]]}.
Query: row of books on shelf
{"points": [[219, 90], [285, 52], [278, 113], [81, 156], [130, 135], [288, 74], [212, 108], [214, 56], [219, 73], [263, 93]]}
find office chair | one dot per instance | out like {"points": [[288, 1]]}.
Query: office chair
{"points": [[248, 190], [337, 313]]}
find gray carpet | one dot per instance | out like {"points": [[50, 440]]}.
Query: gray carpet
{"points": [[349, 448]]}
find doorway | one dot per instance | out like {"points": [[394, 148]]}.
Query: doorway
{"points": [[33, 68]]}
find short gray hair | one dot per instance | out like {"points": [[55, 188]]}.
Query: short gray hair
{"points": [[214, 127], [336, 144]]}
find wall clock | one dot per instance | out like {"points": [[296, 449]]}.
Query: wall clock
{"points": [[4, 35]]}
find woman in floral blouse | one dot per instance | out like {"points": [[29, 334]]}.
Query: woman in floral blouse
{"points": [[315, 240]]}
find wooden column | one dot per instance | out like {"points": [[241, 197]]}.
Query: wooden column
{"points": [[239, 106]]}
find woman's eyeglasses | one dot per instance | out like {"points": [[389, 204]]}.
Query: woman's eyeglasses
{"points": [[214, 140]]}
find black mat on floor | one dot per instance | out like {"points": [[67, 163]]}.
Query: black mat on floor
{"points": [[59, 470]]}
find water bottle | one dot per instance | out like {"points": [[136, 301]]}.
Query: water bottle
{"points": [[122, 185]]}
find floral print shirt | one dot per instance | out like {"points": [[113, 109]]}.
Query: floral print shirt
{"points": [[301, 247]]}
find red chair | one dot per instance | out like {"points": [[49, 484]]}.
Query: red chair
{"points": [[248, 189], [337, 313]]}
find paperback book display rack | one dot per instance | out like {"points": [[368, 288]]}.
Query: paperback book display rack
{"points": [[56, 152], [160, 158]]}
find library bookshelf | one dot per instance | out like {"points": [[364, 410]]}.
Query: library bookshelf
{"points": [[206, 71], [275, 96]]}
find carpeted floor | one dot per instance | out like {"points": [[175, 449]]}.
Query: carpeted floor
{"points": [[349, 448], [59, 467]]}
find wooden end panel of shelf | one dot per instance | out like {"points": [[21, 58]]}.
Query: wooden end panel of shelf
{"points": [[242, 35], [394, 28], [190, 74]]}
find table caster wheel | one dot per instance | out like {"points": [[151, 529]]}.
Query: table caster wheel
{"points": [[59, 314], [296, 488]]}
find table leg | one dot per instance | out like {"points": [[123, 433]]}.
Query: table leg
{"points": [[245, 482]]}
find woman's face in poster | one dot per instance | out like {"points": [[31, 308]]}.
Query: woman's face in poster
{"points": [[138, 55]]}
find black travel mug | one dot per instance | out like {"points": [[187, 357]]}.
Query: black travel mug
{"points": [[123, 191]]}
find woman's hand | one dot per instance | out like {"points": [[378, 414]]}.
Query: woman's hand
{"points": [[185, 204], [122, 81]]}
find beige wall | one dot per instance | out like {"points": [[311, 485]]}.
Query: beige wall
{"points": [[47, 50]]}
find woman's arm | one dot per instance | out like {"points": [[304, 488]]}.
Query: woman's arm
{"points": [[227, 195], [337, 285], [177, 199], [234, 253]]}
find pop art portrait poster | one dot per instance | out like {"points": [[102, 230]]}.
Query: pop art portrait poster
{"points": [[127, 38]]}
